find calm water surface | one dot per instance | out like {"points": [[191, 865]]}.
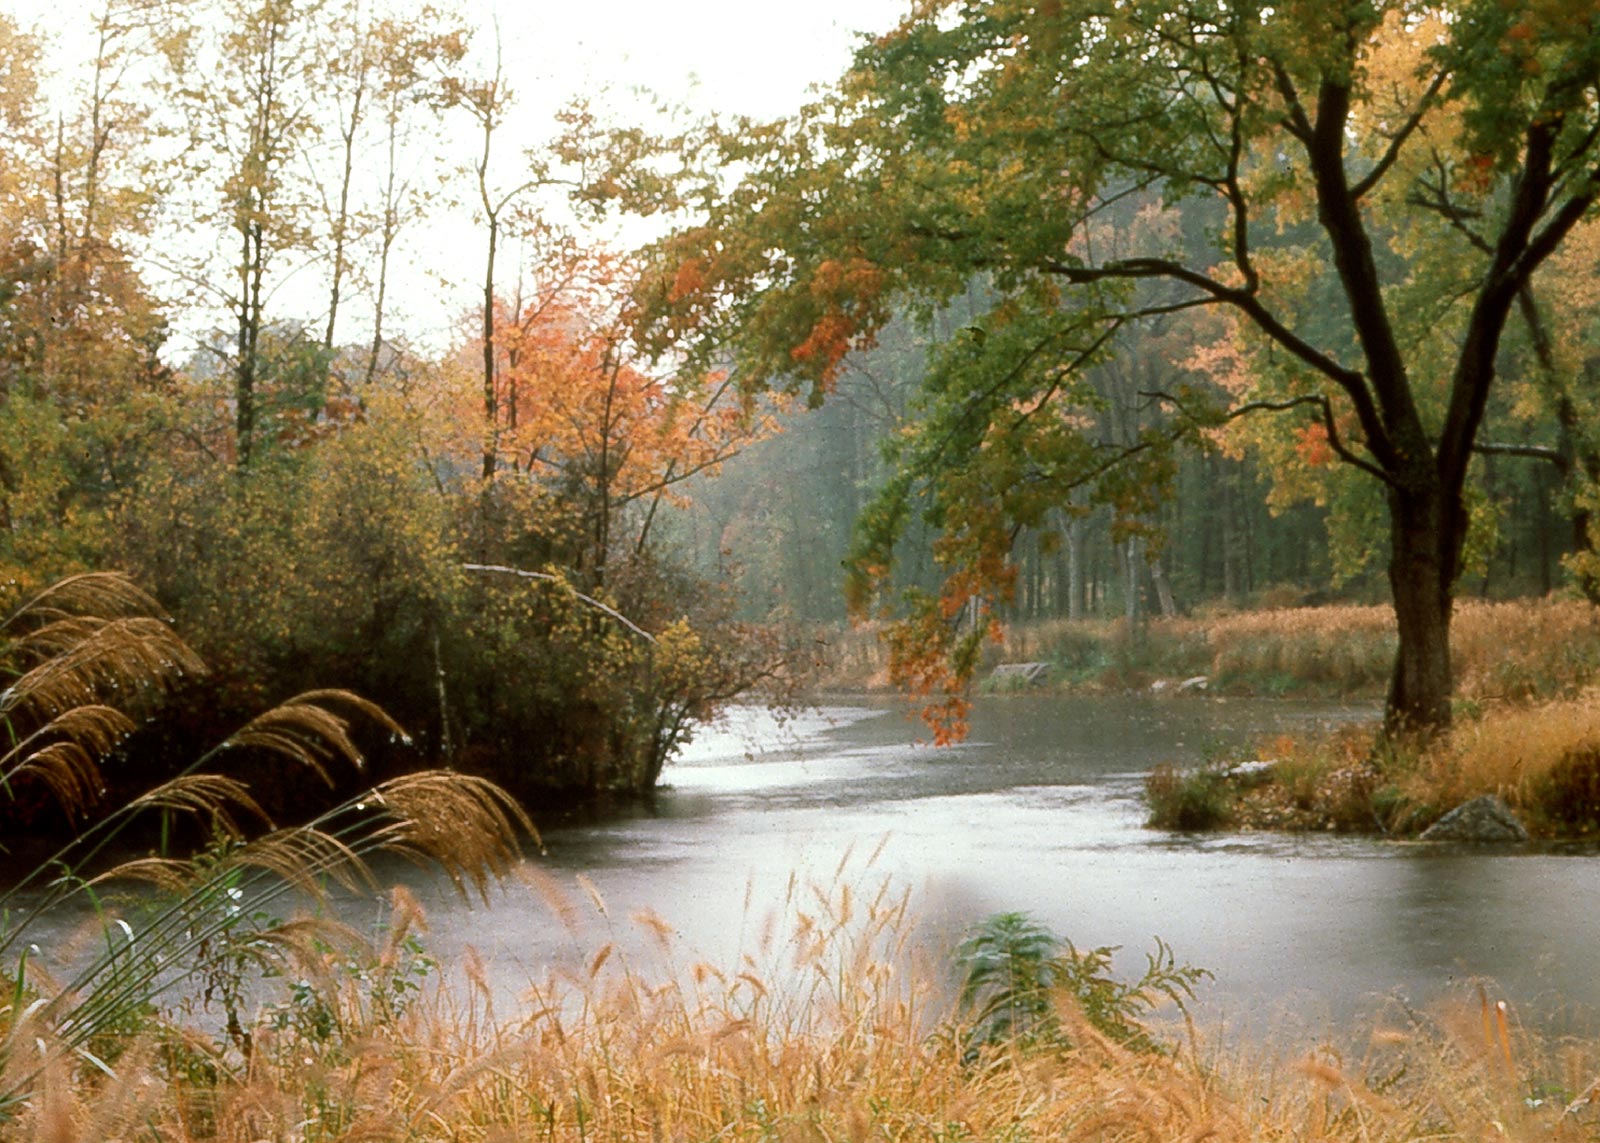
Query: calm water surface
{"points": [[1039, 811]]}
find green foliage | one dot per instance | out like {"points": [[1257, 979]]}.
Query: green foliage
{"points": [[1016, 973], [1009, 967]]}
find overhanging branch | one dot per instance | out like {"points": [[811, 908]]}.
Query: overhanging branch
{"points": [[546, 577], [1324, 413]]}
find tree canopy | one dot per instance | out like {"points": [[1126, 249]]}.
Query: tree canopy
{"points": [[1372, 187]]}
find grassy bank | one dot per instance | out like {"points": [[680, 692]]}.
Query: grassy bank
{"points": [[1517, 650], [1542, 759], [829, 1032]]}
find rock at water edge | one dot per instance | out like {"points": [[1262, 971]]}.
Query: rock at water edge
{"points": [[1482, 819]]}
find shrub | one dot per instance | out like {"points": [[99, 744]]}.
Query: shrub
{"points": [[1569, 792], [350, 561], [1015, 972], [1187, 799]]}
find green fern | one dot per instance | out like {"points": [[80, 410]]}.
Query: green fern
{"points": [[1015, 971]]}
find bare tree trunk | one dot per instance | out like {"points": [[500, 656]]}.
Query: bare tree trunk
{"points": [[391, 225], [1130, 581], [1158, 576], [341, 223]]}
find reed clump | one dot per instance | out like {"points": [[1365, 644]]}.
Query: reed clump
{"points": [[830, 1032], [1542, 759]]}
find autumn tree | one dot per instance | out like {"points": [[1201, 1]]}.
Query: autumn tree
{"points": [[580, 413], [984, 140], [417, 61], [383, 74], [486, 100], [81, 387], [243, 78]]}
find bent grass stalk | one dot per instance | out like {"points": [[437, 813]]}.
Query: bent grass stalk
{"points": [[65, 662]]}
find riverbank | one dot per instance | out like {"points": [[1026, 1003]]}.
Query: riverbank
{"points": [[1539, 760], [833, 1034], [1528, 712], [1503, 651]]}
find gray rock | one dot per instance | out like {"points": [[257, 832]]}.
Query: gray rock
{"points": [[1482, 819], [1251, 773], [1197, 683]]}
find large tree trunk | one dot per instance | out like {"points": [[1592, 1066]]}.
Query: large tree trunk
{"points": [[1425, 537]]}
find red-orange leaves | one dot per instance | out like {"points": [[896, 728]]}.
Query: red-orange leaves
{"points": [[830, 340], [848, 293], [1313, 447], [688, 281], [579, 409]]}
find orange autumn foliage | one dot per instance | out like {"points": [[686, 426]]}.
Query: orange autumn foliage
{"points": [[578, 408], [847, 291]]}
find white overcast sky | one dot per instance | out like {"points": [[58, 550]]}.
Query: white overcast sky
{"points": [[727, 56]]}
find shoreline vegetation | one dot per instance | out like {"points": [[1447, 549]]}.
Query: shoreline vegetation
{"points": [[834, 1027], [1527, 712]]}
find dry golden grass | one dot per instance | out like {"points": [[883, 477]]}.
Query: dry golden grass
{"points": [[1543, 759], [1525, 649], [1516, 650], [827, 1034]]}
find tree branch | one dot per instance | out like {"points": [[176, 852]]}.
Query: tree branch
{"points": [[546, 577], [1398, 141], [1349, 380], [1531, 451], [1325, 415]]}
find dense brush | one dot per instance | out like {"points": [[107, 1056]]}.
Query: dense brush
{"points": [[82, 659]]}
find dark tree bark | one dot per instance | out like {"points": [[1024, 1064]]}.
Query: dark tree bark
{"points": [[1425, 543]]}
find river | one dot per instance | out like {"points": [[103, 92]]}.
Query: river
{"points": [[1039, 811]]}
